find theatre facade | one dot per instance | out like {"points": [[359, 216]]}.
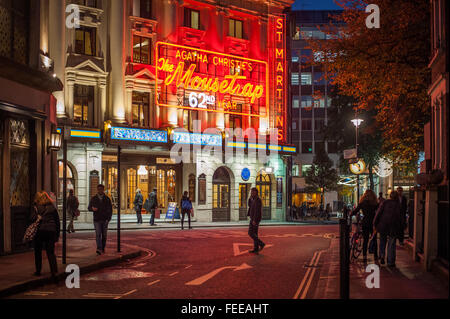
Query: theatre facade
{"points": [[187, 95]]}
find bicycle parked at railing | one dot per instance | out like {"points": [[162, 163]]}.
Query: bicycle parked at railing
{"points": [[356, 238]]}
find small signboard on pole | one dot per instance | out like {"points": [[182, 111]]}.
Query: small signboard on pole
{"points": [[350, 154]]}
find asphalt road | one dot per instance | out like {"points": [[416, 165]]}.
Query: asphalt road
{"points": [[207, 263]]}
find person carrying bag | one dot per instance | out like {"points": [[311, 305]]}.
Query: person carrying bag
{"points": [[186, 208]]}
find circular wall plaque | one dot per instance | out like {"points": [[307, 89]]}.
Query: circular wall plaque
{"points": [[245, 174]]}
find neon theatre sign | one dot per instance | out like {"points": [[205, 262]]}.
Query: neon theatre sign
{"points": [[279, 70], [191, 78]]}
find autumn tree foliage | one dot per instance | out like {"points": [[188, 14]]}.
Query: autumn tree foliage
{"points": [[321, 176], [340, 129], [383, 69]]}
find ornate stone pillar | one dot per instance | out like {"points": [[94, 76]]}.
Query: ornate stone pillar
{"points": [[117, 33], [57, 48], [102, 100], [129, 100], [70, 91]]}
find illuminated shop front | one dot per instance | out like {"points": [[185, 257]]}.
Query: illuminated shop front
{"points": [[183, 73]]}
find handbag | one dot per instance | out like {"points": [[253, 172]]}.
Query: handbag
{"points": [[31, 231], [76, 213], [373, 244]]}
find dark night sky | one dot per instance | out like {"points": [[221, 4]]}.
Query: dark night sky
{"points": [[315, 5]]}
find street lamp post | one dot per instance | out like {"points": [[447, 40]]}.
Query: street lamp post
{"points": [[357, 122]]}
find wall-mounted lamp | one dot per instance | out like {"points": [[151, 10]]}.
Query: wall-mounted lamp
{"points": [[54, 143]]}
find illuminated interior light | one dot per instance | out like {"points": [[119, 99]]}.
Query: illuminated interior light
{"points": [[142, 171]]}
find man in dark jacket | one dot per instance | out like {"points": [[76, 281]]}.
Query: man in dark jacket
{"points": [[403, 211], [255, 213], [152, 205], [388, 222], [101, 205], [138, 201]]}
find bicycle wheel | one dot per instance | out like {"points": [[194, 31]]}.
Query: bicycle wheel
{"points": [[353, 244], [357, 247]]}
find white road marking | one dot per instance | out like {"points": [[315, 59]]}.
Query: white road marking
{"points": [[188, 266], [38, 293], [238, 252], [126, 294], [305, 291], [153, 282], [173, 274], [101, 295], [297, 293], [201, 280]]}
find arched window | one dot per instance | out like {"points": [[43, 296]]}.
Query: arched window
{"points": [[221, 195], [263, 184], [70, 180]]}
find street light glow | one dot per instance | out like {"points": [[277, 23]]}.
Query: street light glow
{"points": [[357, 122]]}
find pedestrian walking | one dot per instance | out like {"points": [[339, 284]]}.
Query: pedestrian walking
{"points": [[320, 213], [303, 211], [368, 204], [255, 213], [294, 212], [186, 208], [388, 222], [72, 210], [403, 211], [151, 205], [138, 201], [381, 199], [328, 211], [101, 206], [47, 234]]}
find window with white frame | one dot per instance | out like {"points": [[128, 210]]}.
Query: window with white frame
{"points": [[306, 78], [294, 78]]}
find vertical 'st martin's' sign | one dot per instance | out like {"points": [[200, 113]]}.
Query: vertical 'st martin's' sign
{"points": [[210, 81], [278, 24]]}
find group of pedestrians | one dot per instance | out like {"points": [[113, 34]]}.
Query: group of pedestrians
{"points": [[47, 233], [301, 212], [150, 205], [386, 217]]}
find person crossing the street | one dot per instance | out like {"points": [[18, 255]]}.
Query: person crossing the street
{"points": [[101, 206], [255, 213]]}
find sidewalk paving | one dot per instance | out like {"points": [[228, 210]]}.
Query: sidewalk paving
{"points": [[16, 271], [407, 281], [129, 224]]}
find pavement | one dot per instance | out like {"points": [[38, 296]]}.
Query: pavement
{"points": [[407, 280], [128, 222], [16, 271], [298, 262]]}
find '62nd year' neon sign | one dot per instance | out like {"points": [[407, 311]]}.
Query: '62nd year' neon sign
{"points": [[191, 78]]}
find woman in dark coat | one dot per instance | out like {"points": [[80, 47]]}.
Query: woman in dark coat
{"points": [[47, 234], [388, 222], [368, 204], [187, 210]]}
